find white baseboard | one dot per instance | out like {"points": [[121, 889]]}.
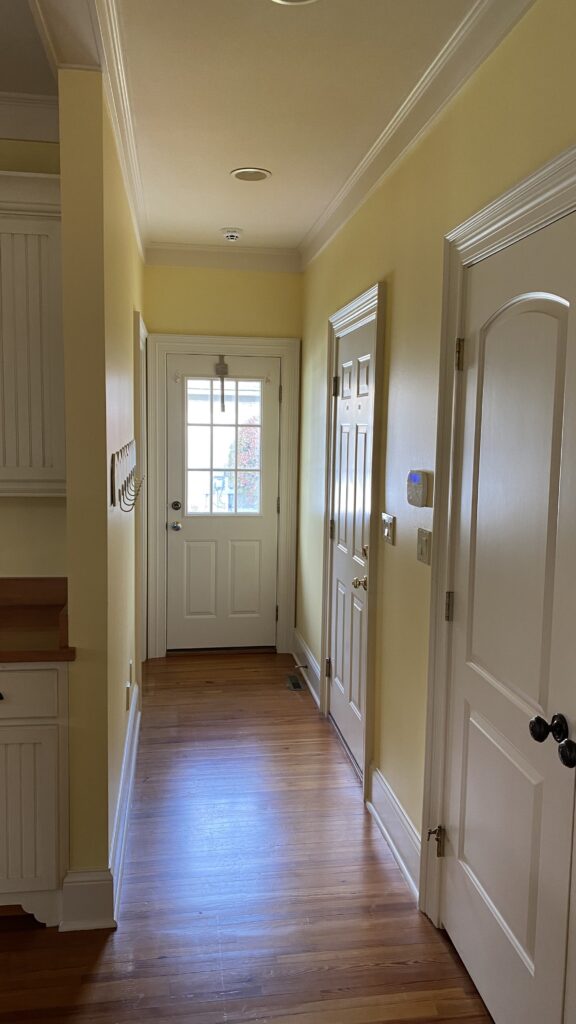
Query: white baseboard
{"points": [[118, 844], [396, 827], [87, 901], [303, 656]]}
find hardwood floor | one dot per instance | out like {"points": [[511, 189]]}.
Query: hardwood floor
{"points": [[257, 888]]}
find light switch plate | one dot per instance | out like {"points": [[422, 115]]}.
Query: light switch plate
{"points": [[424, 547], [389, 528]]}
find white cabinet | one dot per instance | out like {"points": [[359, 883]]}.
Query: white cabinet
{"points": [[32, 453], [33, 787]]}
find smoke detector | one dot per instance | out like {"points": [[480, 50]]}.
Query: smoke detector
{"points": [[251, 173], [231, 234]]}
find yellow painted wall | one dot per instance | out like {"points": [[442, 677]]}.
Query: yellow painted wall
{"points": [[36, 157], [102, 278], [516, 113], [82, 198], [197, 300], [123, 294], [32, 530], [32, 536]]}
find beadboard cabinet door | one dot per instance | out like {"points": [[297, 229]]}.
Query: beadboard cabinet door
{"points": [[32, 455], [29, 808]]}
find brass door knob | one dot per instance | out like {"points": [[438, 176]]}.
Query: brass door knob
{"points": [[358, 582]]}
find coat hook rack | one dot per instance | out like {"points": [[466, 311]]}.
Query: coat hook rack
{"points": [[124, 486]]}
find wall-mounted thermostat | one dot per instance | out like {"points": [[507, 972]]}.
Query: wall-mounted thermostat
{"points": [[419, 488]]}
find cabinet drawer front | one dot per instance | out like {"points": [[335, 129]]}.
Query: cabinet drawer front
{"points": [[28, 808], [29, 693]]}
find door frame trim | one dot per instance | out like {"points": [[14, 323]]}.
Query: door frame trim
{"points": [[536, 202], [367, 307], [160, 346]]}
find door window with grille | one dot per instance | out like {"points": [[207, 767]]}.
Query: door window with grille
{"points": [[223, 447]]}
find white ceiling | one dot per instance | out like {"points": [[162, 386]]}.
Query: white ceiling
{"points": [[24, 67], [304, 91]]}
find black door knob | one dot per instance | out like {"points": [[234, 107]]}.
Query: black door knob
{"points": [[540, 729], [567, 753]]}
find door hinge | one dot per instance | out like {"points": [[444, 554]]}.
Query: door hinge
{"points": [[278, 504], [280, 393], [449, 606], [332, 529], [459, 354], [328, 668], [439, 834], [335, 387], [276, 613]]}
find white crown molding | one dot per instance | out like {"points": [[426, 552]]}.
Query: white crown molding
{"points": [[30, 195], [27, 117], [117, 95], [222, 257], [475, 38]]}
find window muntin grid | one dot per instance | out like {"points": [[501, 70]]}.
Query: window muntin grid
{"points": [[223, 448]]}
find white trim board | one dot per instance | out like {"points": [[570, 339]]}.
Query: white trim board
{"points": [[87, 901], [309, 667], [537, 201], [120, 829], [396, 827], [160, 346], [29, 118]]}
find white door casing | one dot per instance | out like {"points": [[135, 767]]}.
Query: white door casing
{"points": [[160, 347], [351, 535], [509, 801], [223, 471]]}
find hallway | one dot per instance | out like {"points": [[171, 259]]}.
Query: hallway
{"points": [[256, 888]]}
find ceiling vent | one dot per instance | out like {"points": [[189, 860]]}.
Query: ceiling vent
{"points": [[251, 173], [231, 234]]}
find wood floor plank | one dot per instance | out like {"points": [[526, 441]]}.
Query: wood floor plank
{"points": [[256, 888]]}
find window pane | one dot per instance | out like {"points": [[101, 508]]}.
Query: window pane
{"points": [[224, 455], [198, 494], [248, 492], [198, 393], [248, 447], [223, 493], [229, 414], [198, 447], [249, 401]]}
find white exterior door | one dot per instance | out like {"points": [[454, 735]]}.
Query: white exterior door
{"points": [[506, 876], [222, 501], [351, 498]]}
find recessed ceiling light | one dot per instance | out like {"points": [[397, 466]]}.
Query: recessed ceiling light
{"points": [[251, 173], [231, 234], [289, 3]]}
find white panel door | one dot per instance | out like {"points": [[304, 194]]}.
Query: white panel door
{"points": [[506, 878], [351, 497], [222, 502]]}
